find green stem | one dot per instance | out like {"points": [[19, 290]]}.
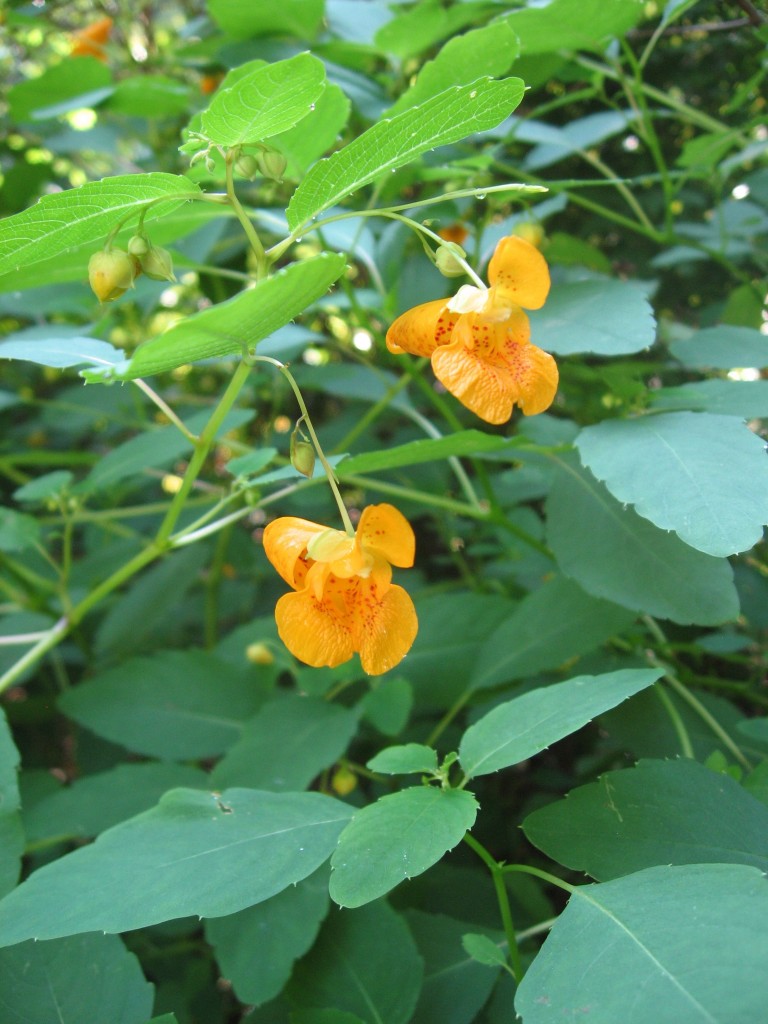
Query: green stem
{"points": [[545, 876], [262, 260], [709, 719], [348, 527], [202, 447], [675, 717], [164, 408], [497, 874]]}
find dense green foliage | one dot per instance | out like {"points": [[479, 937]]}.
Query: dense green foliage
{"points": [[554, 806]]}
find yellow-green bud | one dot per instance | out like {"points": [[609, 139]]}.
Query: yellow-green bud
{"points": [[272, 164], [247, 166], [111, 273], [157, 264], [259, 654], [343, 781], [302, 456], [138, 245], [447, 262]]}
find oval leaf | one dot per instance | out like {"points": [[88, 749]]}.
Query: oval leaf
{"points": [[660, 812], [208, 854], [68, 219], [673, 943], [448, 117], [614, 553], [405, 759], [398, 837], [703, 476], [607, 318], [73, 980], [269, 100], [522, 727], [240, 323]]}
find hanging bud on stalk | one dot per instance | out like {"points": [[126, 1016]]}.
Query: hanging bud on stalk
{"points": [[302, 454], [111, 273], [448, 260], [247, 166], [155, 261]]}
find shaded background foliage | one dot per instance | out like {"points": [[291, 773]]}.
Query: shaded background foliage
{"points": [[653, 148]]}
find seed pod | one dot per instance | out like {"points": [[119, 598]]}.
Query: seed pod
{"points": [[302, 455], [247, 166], [111, 273], [138, 245], [157, 264], [447, 262], [272, 164]]}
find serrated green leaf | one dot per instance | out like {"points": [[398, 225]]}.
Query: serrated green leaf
{"points": [[607, 318], [398, 837], [352, 966], [257, 947], [175, 705], [73, 980], [208, 854], [95, 803], [703, 476], [404, 759], [554, 623], [491, 49], [448, 117], [523, 727], [315, 134], [288, 743], [659, 812], [270, 99], [722, 348], [614, 553], [65, 220], [463, 442], [240, 323], [673, 943], [483, 949]]}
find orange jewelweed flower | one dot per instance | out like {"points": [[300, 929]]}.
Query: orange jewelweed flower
{"points": [[479, 341], [89, 41], [344, 598]]}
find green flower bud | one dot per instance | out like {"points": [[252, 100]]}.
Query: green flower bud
{"points": [[138, 245], [272, 164], [302, 455], [111, 273], [446, 260], [247, 166], [157, 264]]}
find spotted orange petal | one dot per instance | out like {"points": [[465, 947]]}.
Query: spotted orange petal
{"points": [[421, 329], [316, 632], [518, 274], [285, 541], [484, 385], [491, 366], [386, 532], [388, 630], [537, 379]]}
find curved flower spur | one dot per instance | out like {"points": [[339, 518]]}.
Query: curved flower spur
{"points": [[479, 341]]}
